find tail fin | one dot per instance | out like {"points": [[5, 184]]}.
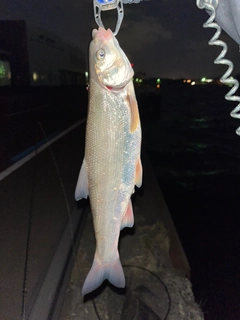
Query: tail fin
{"points": [[99, 272]]}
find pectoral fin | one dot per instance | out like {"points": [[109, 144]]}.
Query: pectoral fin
{"points": [[134, 109], [138, 173], [81, 190]]}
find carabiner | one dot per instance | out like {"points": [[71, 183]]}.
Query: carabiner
{"points": [[104, 5]]}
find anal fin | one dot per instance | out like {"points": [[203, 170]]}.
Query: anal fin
{"points": [[128, 219]]}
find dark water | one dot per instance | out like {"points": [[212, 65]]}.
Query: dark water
{"points": [[192, 144]]}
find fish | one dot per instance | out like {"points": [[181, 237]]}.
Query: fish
{"points": [[111, 165]]}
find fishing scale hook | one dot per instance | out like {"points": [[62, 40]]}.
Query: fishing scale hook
{"points": [[104, 5]]}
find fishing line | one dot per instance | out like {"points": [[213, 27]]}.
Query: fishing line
{"points": [[211, 6], [24, 288], [162, 282], [153, 274]]}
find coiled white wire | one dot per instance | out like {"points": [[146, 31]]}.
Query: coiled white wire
{"points": [[211, 6]]}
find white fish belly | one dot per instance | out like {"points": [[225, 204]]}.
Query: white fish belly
{"points": [[111, 155]]}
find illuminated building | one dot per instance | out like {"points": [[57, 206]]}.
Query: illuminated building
{"points": [[30, 55]]}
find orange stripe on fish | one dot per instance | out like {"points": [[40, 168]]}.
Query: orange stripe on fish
{"points": [[134, 110], [138, 174]]}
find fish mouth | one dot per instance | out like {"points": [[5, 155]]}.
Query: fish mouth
{"points": [[102, 33], [115, 77]]}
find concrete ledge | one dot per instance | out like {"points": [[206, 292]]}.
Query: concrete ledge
{"points": [[156, 207], [153, 260], [51, 294]]}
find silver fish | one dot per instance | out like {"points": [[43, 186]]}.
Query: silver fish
{"points": [[111, 167]]}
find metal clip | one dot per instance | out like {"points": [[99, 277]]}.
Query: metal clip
{"points": [[104, 5]]}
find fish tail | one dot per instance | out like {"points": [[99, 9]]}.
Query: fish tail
{"points": [[99, 272]]}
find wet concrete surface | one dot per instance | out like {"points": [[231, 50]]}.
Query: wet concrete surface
{"points": [[40, 193], [155, 266]]}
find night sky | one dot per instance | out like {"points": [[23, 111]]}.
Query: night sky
{"points": [[163, 38]]}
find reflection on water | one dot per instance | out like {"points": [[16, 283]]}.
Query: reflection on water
{"points": [[197, 147], [199, 120]]}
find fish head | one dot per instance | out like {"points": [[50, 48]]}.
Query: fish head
{"points": [[110, 64]]}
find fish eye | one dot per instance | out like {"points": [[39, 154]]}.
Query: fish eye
{"points": [[100, 54]]}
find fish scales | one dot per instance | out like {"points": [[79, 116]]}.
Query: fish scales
{"points": [[111, 165], [105, 160]]}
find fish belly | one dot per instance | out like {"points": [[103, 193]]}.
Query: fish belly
{"points": [[111, 155]]}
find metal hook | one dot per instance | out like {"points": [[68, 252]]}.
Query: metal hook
{"points": [[104, 5]]}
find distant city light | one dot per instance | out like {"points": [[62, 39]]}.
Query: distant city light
{"points": [[137, 80], [2, 70], [158, 86], [193, 83], [204, 79], [158, 80], [189, 81], [230, 84], [140, 80], [5, 73], [86, 76], [35, 76]]}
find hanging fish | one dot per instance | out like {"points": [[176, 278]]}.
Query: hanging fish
{"points": [[111, 167]]}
